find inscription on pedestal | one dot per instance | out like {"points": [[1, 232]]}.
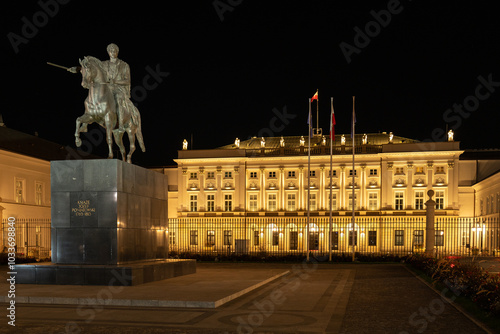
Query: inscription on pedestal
{"points": [[83, 208]]}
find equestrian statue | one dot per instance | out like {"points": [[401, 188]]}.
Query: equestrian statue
{"points": [[108, 102]]}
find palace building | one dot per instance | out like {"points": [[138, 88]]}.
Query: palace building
{"points": [[252, 197]]}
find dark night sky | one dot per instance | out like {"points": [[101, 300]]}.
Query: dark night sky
{"points": [[227, 76]]}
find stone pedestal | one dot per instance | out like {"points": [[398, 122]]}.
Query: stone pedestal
{"points": [[109, 221]]}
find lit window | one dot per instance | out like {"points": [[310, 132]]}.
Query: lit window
{"points": [[314, 240], [372, 201], [38, 193], [333, 201], [193, 238], [399, 200], [355, 201], [465, 238], [399, 238], [193, 203], [312, 202], [439, 239], [291, 202], [271, 203], [440, 200], [210, 238], [256, 238], [498, 204], [228, 237], [294, 240], [372, 238], [253, 202], [355, 238], [210, 203], [419, 200], [335, 240], [228, 202], [276, 238], [418, 238], [19, 191], [38, 236]]}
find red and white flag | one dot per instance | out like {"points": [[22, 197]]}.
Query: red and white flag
{"points": [[315, 96]]}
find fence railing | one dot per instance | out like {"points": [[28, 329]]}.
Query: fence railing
{"points": [[282, 236], [32, 237]]}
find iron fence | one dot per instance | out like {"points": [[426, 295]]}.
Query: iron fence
{"points": [[282, 236], [32, 237]]}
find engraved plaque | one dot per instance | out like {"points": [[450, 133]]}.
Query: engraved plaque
{"points": [[83, 209]]}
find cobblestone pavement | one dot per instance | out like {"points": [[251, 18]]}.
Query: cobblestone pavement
{"points": [[389, 299], [324, 298]]}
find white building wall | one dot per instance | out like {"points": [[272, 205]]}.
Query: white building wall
{"points": [[32, 174]]}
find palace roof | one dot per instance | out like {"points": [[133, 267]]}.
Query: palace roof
{"points": [[22, 143]]}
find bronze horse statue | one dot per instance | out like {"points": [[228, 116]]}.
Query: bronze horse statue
{"points": [[101, 107]]}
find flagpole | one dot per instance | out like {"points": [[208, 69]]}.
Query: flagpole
{"points": [[353, 178], [308, 182], [331, 195], [317, 112]]}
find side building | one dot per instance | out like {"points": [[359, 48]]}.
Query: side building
{"points": [[25, 190], [252, 197]]}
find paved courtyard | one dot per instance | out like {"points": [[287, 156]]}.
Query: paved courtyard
{"points": [[246, 298]]}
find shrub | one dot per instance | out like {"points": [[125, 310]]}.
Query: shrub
{"points": [[468, 279]]}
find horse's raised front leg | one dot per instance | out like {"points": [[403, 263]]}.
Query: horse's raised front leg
{"points": [[84, 119], [78, 141]]}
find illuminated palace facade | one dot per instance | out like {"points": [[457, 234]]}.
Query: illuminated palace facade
{"points": [[251, 197]]}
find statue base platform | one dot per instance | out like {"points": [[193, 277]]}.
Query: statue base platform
{"points": [[126, 274]]}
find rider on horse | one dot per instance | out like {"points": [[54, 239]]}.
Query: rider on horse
{"points": [[109, 102], [118, 77]]}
